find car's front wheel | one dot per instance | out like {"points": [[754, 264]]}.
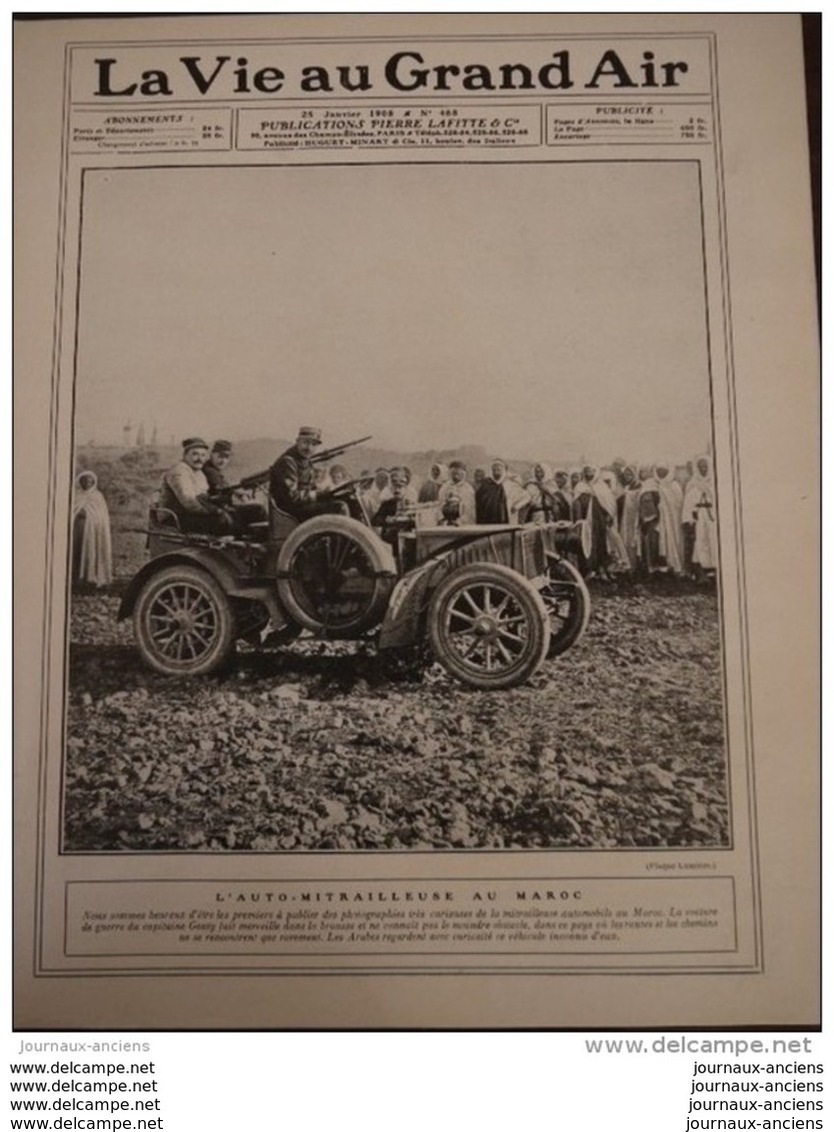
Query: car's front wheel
{"points": [[183, 622], [488, 626]]}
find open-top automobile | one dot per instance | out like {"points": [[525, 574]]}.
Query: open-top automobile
{"points": [[490, 601]]}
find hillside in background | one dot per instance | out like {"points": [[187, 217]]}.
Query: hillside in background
{"points": [[127, 467], [254, 455]]}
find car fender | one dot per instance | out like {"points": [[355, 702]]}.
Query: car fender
{"points": [[233, 584], [405, 619], [522, 549]]}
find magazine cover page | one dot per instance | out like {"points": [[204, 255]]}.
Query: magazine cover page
{"points": [[416, 512]]}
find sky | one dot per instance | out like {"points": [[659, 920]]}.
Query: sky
{"points": [[541, 309]]}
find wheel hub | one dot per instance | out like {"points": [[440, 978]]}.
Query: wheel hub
{"points": [[485, 626], [184, 620]]}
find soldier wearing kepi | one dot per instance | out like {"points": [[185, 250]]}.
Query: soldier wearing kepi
{"points": [[235, 500], [292, 480], [213, 469], [185, 491]]}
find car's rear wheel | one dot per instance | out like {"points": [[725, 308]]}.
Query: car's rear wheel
{"points": [[488, 626], [568, 604], [183, 621]]}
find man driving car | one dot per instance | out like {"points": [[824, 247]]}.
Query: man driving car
{"points": [[292, 480]]}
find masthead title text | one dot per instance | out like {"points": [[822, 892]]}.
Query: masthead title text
{"points": [[222, 75]]}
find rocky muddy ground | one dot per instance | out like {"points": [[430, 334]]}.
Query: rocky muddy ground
{"points": [[619, 743]]}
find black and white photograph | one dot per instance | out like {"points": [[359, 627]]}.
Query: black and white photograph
{"points": [[394, 523]]}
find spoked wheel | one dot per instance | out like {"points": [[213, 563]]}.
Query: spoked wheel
{"points": [[568, 605], [184, 625], [488, 626], [335, 576]]}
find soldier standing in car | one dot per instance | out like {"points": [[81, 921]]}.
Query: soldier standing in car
{"points": [[292, 480]]}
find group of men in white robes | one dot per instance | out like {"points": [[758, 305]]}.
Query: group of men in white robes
{"points": [[641, 519], [659, 524]]}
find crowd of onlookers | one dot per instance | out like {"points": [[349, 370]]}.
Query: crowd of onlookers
{"points": [[641, 519]]}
